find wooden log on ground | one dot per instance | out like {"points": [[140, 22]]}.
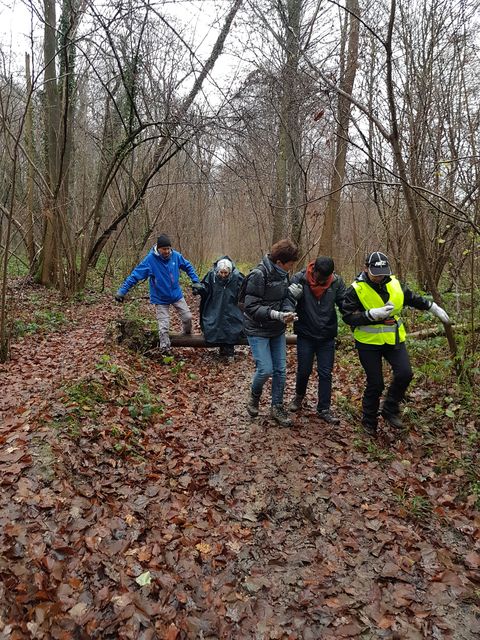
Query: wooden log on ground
{"points": [[439, 330], [134, 335], [182, 340]]}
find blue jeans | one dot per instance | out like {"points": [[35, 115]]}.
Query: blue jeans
{"points": [[270, 355], [324, 352]]}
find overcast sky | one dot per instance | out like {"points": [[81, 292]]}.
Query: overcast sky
{"points": [[204, 19]]}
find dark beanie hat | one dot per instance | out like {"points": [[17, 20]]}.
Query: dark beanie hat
{"points": [[163, 241]]}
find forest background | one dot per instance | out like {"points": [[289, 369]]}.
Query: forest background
{"points": [[138, 500], [229, 125]]}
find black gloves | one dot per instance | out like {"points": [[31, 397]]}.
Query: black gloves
{"points": [[197, 288]]}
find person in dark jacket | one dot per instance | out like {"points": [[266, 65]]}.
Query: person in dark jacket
{"points": [[372, 307], [269, 307], [162, 267], [316, 329], [221, 320]]}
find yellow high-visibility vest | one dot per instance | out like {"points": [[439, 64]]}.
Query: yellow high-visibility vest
{"points": [[381, 333]]}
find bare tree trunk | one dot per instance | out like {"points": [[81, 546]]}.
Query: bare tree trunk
{"points": [[279, 201], [48, 263], [29, 144], [286, 210], [347, 79]]}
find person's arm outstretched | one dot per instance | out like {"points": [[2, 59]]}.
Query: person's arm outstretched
{"points": [[141, 272]]}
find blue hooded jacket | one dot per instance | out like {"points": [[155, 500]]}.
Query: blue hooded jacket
{"points": [[163, 276]]}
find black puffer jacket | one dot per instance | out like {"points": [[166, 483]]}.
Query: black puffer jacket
{"points": [[220, 318], [267, 289], [317, 318]]}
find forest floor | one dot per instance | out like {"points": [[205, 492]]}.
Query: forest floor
{"points": [[138, 499]]}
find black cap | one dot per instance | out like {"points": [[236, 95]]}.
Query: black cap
{"points": [[378, 264], [163, 241]]}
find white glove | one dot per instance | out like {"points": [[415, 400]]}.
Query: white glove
{"points": [[440, 313], [380, 313], [283, 316], [295, 291]]}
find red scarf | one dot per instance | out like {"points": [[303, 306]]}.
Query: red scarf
{"points": [[317, 289]]}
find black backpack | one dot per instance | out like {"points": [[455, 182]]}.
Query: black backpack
{"points": [[243, 287]]}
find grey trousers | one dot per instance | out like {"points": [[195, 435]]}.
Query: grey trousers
{"points": [[162, 312]]}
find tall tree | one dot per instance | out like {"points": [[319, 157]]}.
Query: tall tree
{"points": [[288, 190], [347, 73]]}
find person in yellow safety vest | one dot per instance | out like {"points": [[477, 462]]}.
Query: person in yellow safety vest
{"points": [[372, 307]]}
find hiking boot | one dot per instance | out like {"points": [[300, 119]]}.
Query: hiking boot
{"points": [[393, 419], [252, 405], [280, 416], [187, 328], [296, 403], [327, 416], [370, 428]]}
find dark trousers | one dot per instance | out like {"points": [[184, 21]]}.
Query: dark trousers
{"points": [[324, 351], [372, 362]]}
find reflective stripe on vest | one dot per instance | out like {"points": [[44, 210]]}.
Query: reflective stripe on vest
{"points": [[381, 333]]}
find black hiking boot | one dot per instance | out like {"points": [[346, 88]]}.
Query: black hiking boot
{"points": [[370, 428], [296, 403], [392, 418], [327, 416]]}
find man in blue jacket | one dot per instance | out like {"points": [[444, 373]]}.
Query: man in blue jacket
{"points": [[162, 268]]}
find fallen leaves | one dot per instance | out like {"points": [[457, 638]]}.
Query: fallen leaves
{"points": [[121, 518]]}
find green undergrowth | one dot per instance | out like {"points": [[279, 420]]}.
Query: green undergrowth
{"points": [[372, 450], [17, 267], [109, 403], [46, 321], [412, 505]]}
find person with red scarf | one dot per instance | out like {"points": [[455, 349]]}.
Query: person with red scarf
{"points": [[316, 329]]}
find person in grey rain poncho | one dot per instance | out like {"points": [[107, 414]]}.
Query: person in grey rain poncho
{"points": [[221, 320]]}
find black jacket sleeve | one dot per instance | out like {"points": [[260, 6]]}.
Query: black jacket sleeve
{"points": [[415, 300], [352, 309], [340, 293]]}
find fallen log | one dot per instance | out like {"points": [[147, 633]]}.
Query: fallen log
{"points": [[182, 340], [134, 335], [439, 330]]}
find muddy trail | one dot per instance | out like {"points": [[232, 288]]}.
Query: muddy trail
{"points": [[138, 500]]}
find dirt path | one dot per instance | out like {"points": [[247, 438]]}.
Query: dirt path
{"points": [[212, 525]]}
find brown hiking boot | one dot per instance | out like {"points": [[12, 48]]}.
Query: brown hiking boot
{"points": [[252, 405], [280, 416]]}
